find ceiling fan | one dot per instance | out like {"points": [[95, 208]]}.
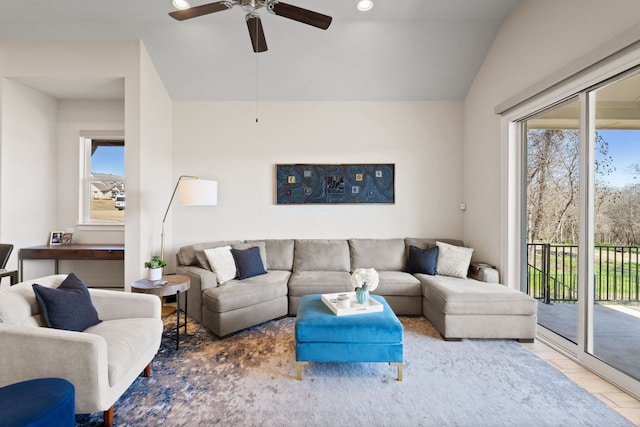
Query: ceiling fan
{"points": [[254, 24]]}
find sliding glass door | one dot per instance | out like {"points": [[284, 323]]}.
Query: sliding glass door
{"points": [[552, 140], [580, 168], [615, 327]]}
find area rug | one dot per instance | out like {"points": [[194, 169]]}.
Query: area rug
{"points": [[249, 379]]}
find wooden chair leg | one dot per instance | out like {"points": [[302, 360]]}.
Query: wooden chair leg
{"points": [[147, 370], [108, 417]]}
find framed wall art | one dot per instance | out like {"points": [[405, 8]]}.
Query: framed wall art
{"points": [[335, 184]]}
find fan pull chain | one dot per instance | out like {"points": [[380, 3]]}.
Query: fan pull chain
{"points": [[256, 54]]}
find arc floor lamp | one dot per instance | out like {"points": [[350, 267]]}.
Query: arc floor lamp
{"points": [[193, 192]]}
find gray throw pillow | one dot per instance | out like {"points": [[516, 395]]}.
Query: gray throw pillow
{"points": [[222, 263], [453, 260]]}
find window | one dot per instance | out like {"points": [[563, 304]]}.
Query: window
{"points": [[103, 182]]}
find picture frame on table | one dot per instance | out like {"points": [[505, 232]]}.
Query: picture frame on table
{"points": [[55, 238], [67, 238]]}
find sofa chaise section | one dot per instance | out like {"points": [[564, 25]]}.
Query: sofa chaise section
{"points": [[476, 306], [467, 308]]}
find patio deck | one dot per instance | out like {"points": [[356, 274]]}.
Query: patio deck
{"points": [[616, 334]]}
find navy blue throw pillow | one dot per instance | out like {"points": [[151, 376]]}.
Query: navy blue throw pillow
{"points": [[422, 260], [68, 306], [248, 262]]}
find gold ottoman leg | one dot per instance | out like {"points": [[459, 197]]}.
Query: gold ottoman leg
{"points": [[299, 366], [399, 365]]}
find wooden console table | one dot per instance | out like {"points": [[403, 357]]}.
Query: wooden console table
{"points": [[91, 252], [12, 274]]}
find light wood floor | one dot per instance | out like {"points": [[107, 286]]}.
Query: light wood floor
{"points": [[623, 403]]}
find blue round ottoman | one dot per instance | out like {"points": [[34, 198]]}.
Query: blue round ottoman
{"points": [[42, 402]]}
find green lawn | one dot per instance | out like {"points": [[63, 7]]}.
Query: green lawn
{"points": [[617, 276], [104, 210]]}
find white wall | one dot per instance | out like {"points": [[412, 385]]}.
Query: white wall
{"points": [[540, 37], [153, 164], [222, 141], [28, 169]]}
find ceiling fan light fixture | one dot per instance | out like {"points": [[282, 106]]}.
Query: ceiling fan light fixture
{"points": [[365, 5], [254, 24], [181, 4], [249, 5]]}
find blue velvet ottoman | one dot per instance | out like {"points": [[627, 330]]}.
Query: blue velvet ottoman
{"points": [[321, 336], [43, 402]]}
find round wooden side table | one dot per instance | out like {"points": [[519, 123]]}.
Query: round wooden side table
{"points": [[175, 284]]}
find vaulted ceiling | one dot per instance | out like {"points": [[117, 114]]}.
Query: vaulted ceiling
{"points": [[400, 50]]}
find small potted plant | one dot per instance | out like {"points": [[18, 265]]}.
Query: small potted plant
{"points": [[155, 265]]}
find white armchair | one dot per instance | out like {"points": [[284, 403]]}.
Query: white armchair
{"points": [[101, 362]]}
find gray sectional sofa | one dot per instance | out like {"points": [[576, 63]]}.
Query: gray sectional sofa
{"points": [[468, 307]]}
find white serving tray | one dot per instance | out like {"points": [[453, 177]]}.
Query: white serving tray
{"points": [[371, 306]]}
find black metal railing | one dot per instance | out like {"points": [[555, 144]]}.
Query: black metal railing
{"points": [[553, 272]]}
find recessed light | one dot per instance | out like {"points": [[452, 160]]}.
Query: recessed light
{"points": [[181, 4], [365, 5]]}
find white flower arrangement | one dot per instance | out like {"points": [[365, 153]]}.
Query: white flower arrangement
{"points": [[366, 278]]}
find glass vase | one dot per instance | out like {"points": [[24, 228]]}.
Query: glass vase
{"points": [[362, 295]]}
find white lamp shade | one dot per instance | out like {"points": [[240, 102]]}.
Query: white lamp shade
{"points": [[196, 192]]}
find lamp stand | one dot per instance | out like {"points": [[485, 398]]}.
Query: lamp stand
{"points": [[167, 211]]}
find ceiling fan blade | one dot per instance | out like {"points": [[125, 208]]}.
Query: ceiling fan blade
{"points": [[301, 15], [256, 33], [204, 9]]}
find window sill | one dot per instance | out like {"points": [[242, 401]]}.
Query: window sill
{"points": [[100, 227]]}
